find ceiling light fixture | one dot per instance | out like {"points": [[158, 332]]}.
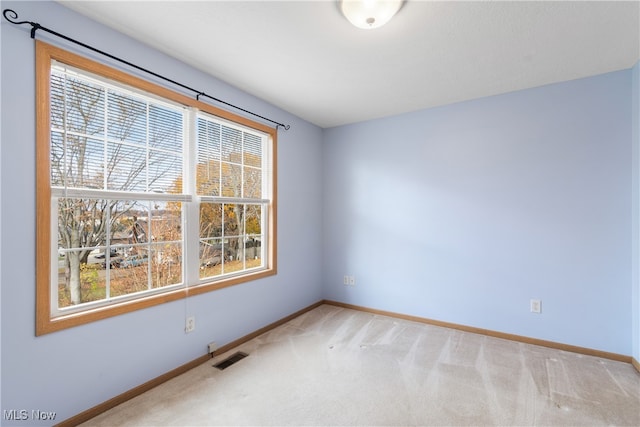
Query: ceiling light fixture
{"points": [[369, 14]]}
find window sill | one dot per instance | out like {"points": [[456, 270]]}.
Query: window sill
{"points": [[99, 313]]}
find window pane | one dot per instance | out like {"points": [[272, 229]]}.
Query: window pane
{"points": [[84, 163], [208, 140], [57, 101], [76, 162], [165, 172], [235, 258], [252, 150], [166, 264], [231, 144], [211, 257], [233, 220], [231, 180], [82, 223], [131, 273], [208, 168], [208, 178], [126, 168], [75, 268], [77, 106], [165, 128], [252, 183], [57, 159], [254, 237], [166, 221], [138, 219], [253, 220], [210, 220], [126, 119], [253, 252]]}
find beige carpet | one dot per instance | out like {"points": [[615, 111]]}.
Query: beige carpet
{"points": [[334, 366]]}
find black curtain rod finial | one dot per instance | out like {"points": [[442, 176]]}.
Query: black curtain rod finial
{"points": [[11, 16]]}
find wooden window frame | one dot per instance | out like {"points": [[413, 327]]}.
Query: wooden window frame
{"points": [[45, 323]]}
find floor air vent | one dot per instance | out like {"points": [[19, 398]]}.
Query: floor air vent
{"points": [[236, 357]]}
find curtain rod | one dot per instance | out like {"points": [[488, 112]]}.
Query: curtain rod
{"points": [[11, 16]]}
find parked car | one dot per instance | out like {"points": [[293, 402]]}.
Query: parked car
{"points": [[211, 262], [114, 262], [112, 254], [134, 261]]}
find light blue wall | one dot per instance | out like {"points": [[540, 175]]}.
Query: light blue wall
{"points": [[635, 261], [461, 213], [464, 213], [73, 370]]}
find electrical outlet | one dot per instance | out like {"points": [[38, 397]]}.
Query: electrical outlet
{"points": [[345, 280], [535, 306], [190, 324], [212, 347]]}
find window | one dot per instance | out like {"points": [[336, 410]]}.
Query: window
{"points": [[231, 183], [143, 195]]}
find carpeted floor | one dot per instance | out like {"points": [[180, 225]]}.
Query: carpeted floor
{"points": [[334, 366]]}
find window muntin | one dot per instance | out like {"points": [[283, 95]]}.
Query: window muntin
{"points": [[113, 207]]}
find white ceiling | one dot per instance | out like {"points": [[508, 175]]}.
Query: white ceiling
{"points": [[306, 58]]}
